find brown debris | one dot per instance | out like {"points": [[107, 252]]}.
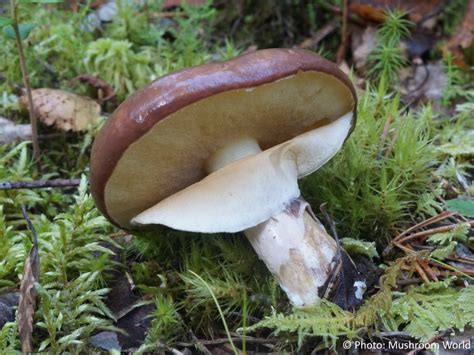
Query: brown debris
{"points": [[423, 82], [411, 242], [363, 43], [341, 52], [168, 4], [63, 109], [105, 91], [27, 303], [417, 10], [313, 41], [463, 38]]}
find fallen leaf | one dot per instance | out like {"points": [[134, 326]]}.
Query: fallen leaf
{"points": [[363, 43], [462, 205], [417, 10], [27, 303], [463, 38], [107, 91], [425, 82], [105, 340], [63, 109]]}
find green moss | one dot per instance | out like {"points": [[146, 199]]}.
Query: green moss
{"points": [[373, 184]]}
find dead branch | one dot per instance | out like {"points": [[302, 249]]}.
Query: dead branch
{"points": [[27, 303], [39, 184], [341, 52], [432, 231], [319, 35]]}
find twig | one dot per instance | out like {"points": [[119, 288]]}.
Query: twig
{"points": [[383, 137], [421, 272], [26, 81], [342, 275], [433, 231], [465, 272], [31, 227], [201, 347], [220, 341], [394, 334], [429, 271], [406, 282], [39, 184], [341, 52], [431, 220]]}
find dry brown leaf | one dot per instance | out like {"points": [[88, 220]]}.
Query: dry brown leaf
{"points": [[27, 303], [63, 109], [424, 82], [417, 10], [463, 38], [364, 42]]}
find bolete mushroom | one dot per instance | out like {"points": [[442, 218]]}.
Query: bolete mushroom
{"points": [[220, 148]]}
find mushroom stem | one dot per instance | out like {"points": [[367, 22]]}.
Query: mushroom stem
{"points": [[234, 150], [297, 250], [293, 243]]}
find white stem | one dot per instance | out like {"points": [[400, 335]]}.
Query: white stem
{"points": [[293, 244], [234, 150], [297, 250]]}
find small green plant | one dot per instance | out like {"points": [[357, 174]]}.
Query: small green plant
{"points": [[62, 46], [424, 310], [132, 25], [12, 254], [74, 261], [228, 266], [16, 164], [452, 15], [218, 306], [116, 63], [17, 30], [325, 319], [373, 183], [446, 242], [454, 79], [387, 59], [166, 323], [9, 341], [420, 311], [355, 246]]}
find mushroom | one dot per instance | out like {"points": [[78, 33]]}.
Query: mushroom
{"points": [[220, 148]]}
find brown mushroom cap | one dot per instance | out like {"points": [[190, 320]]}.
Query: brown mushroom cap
{"points": [[157, 142]]}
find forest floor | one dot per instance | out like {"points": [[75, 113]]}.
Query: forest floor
{"points": [[400, 191]]}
